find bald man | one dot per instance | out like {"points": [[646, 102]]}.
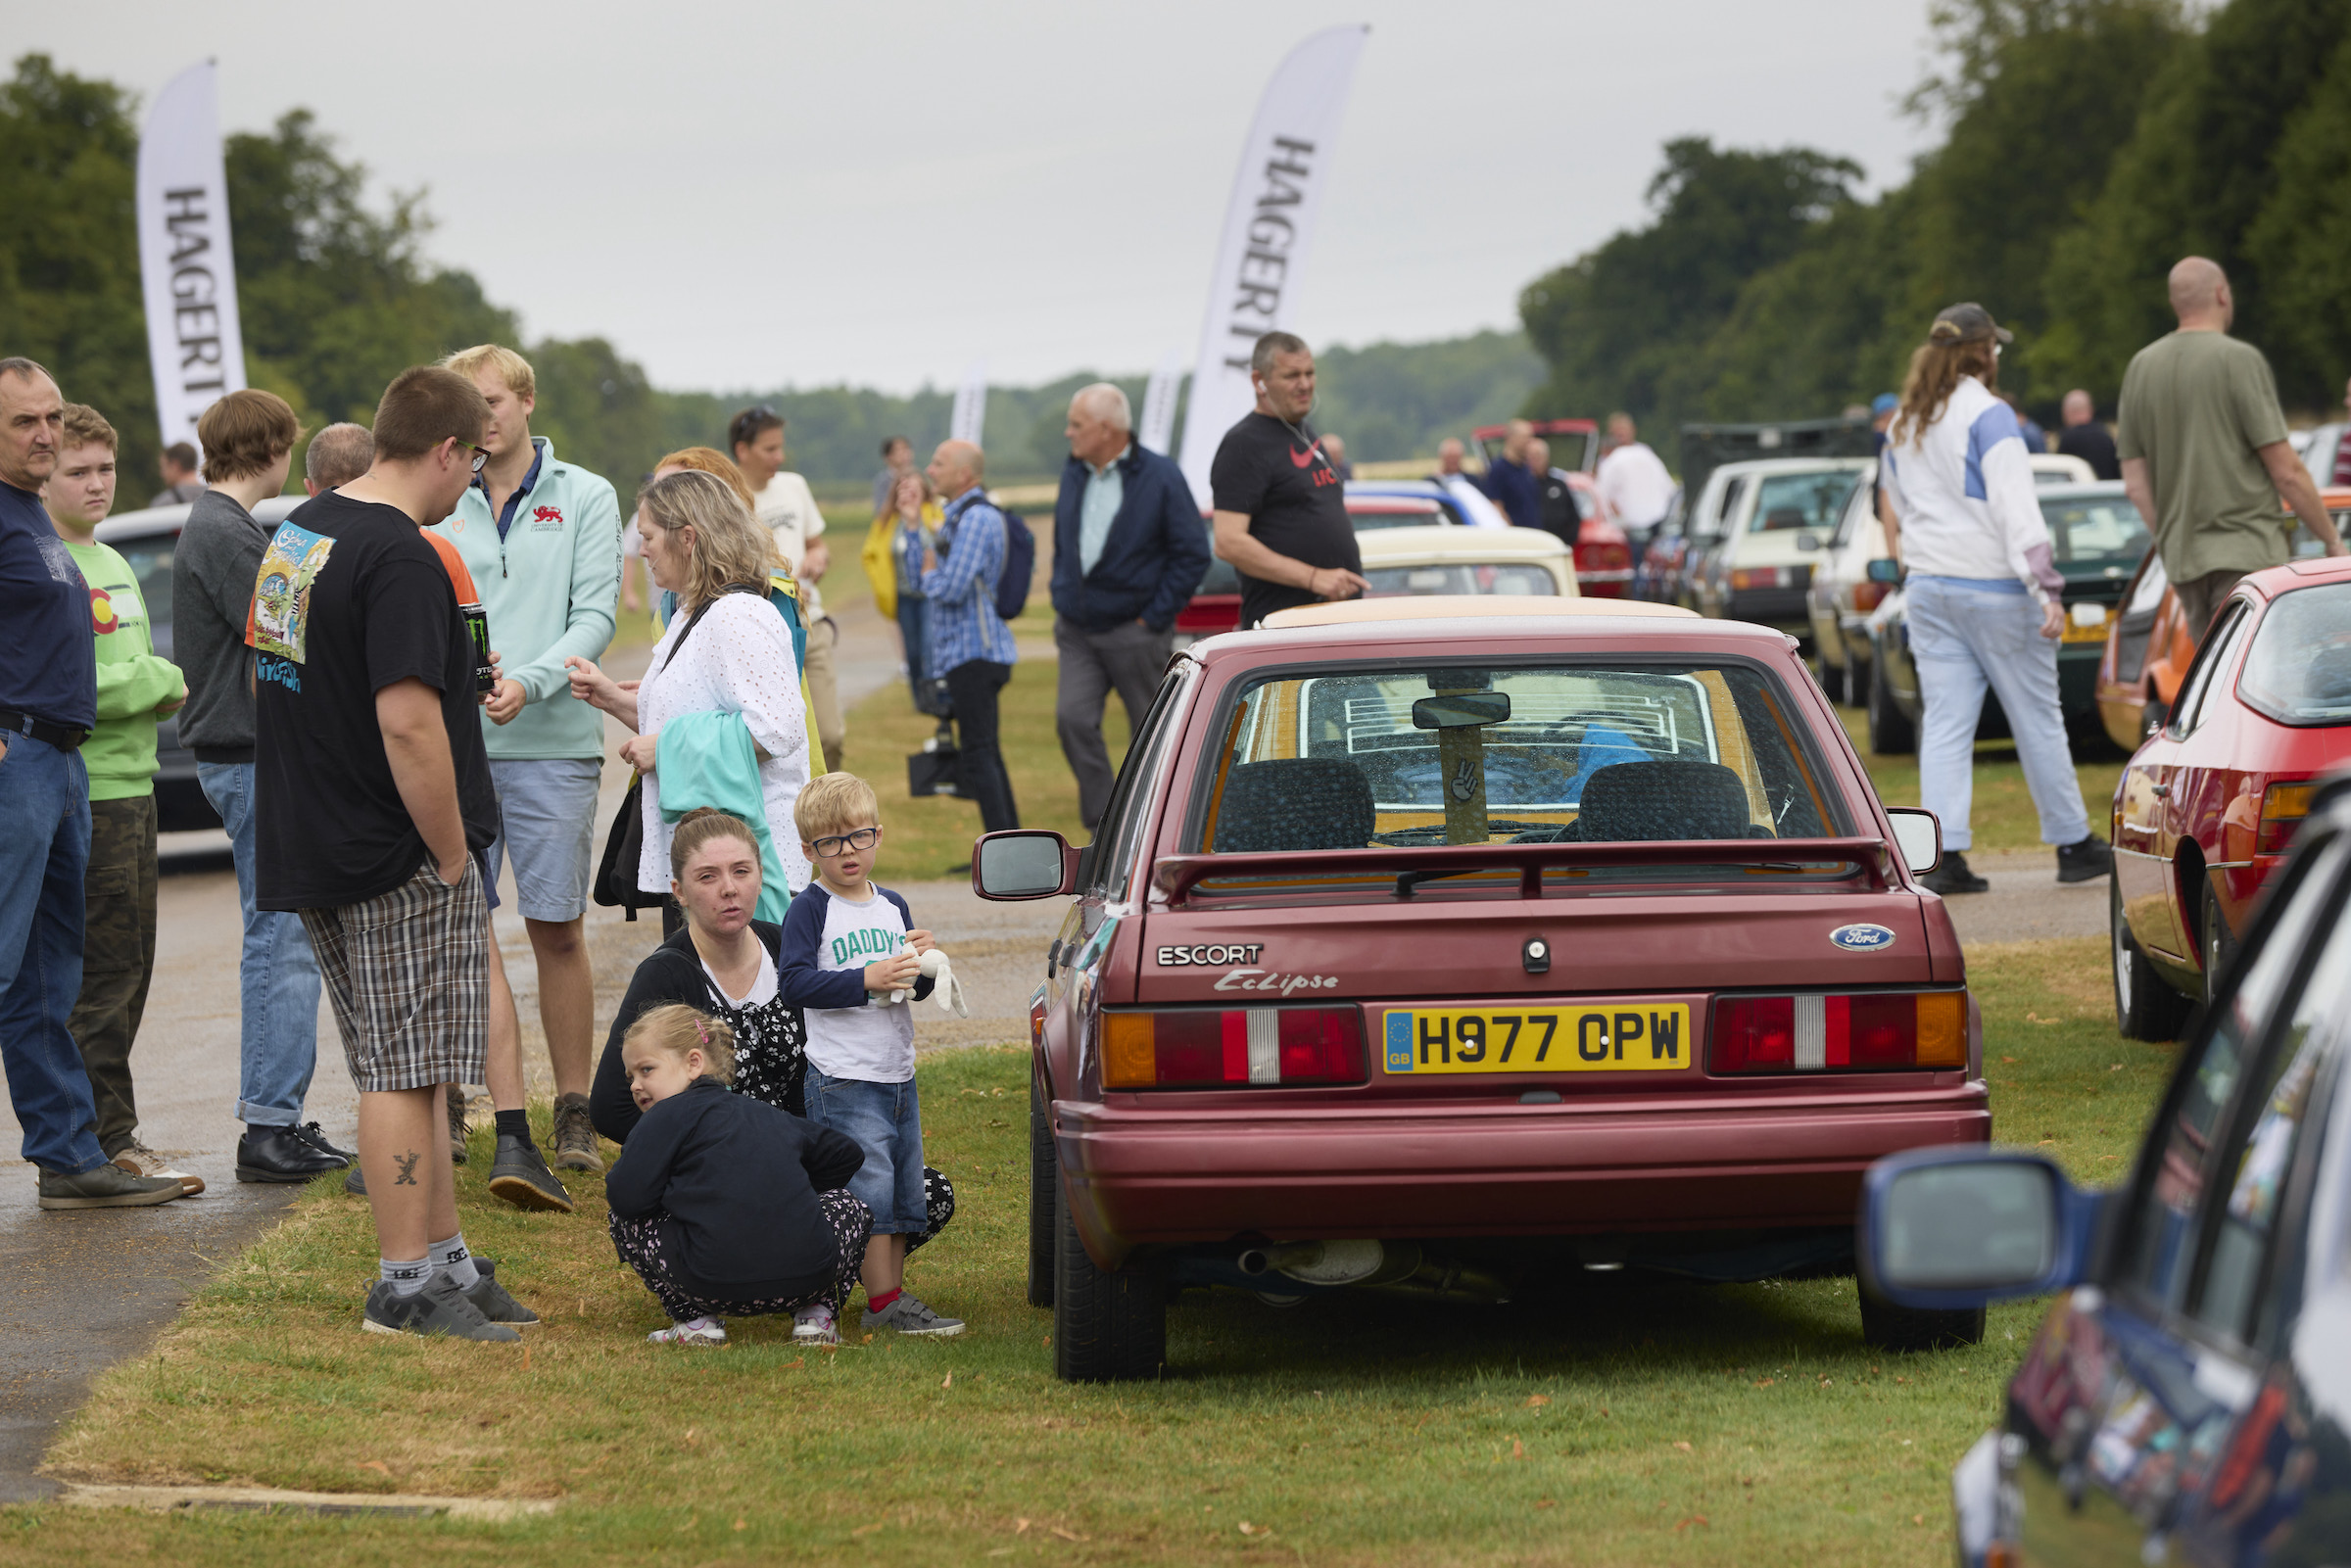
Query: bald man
{"points": [[2204, 451], [338, 455], [1129, 552]]}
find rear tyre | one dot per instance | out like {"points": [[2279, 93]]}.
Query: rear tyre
{"points": [[2144, 1007], [1108, 1326], [1887, 1327], [1832, 678], [2217, 946], [1891, 734], [1044, 1176]]}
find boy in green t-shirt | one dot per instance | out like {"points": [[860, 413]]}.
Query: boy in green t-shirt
{"points": [[135, 687]]}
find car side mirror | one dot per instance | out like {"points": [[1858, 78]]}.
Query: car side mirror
{"points": [[1918, 834], [1953, 1228], [1885, 569], [1023, 863], [1807, 539]]}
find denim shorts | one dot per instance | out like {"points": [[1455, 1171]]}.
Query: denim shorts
{"points": [[886, 1120], [547, 826]]}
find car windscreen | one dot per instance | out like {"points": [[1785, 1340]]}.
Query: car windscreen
{"points": [[1220, 577], [150, 562], [1528, 754], [1396, 514], [2105, 530], [1461, 577], [1800, 501], [2298, 671]]}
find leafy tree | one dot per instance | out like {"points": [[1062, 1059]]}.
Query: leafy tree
{"points": [[2296, 247], [1615, 323]]}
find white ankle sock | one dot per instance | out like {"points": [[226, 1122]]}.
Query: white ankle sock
{"points": [[450, 1257], [404, 1278]]}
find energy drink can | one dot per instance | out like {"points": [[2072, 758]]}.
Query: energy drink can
{"points": [[477, 627]]}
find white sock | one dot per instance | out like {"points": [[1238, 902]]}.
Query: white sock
{"points": [[404, 1278], [451, 1258]]}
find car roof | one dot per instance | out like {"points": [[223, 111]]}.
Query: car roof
{"points": [[1789, 466], [148, 521], [2092, 490], [2276, 579], [1384, 504], [1432, 543], [1544, 624]]}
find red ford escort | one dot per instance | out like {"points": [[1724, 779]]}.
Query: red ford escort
{"points": [[1435, 946]]}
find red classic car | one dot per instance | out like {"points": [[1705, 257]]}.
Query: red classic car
{"points": [[1446, 945], [2208, 803]]}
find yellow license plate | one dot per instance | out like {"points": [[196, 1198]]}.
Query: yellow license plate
{"points": [[2075, 631], [1594, 1037]]}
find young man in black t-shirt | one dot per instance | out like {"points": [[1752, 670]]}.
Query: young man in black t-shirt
{"points": [[1281, 509], [372, 801]]}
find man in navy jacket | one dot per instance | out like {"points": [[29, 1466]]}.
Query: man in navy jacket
{"points": [[1129, 548]]}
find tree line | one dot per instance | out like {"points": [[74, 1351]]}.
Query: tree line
{"points": [[2086, 146]]}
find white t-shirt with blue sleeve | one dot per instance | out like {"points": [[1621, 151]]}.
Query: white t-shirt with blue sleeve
{"points": [[828, 941]]}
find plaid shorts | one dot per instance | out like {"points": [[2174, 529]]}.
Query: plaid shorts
{"points": [[410, 974]]}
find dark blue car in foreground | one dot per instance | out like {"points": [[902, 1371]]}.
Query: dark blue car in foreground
{"points": [[2188, 1398]]}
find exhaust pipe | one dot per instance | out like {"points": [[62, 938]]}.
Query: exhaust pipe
{"points": [[1400, 1266]]}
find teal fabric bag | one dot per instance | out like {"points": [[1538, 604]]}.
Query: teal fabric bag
{"points": [[708, 759]]}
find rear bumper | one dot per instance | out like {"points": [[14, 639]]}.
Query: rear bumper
{"points": [[1148, 1176]]}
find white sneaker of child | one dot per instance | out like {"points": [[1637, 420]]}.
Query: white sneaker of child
{"points": [[815, 1325], [702, 1331]]}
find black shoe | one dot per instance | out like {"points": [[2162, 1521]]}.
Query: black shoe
{"points": [[308, 1133], [108, 1186], [281, 1154], [2085, 860], [439, 1308], [355, 1181], [520, 1177], [1953, 877]]}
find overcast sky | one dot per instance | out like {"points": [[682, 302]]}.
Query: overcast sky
{"points": [[755, 195]]}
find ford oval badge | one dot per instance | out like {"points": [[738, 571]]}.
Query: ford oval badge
{"points": [[1862, 938]]}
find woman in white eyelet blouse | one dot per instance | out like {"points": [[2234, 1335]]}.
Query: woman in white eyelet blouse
{"points": [[699, 543]]}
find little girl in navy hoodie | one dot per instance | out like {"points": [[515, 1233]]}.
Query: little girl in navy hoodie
{"points": [[726, 1205]]}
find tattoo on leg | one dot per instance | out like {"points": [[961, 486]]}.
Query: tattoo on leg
{"points": [[407, 1169]]}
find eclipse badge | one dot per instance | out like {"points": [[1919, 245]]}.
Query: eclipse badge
{"points": [[1862, 938]]}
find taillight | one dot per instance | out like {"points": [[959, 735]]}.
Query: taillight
{"points": [[1746, 577], [1867, 1031], [1868, 596], [1200, 1048], [2282, 808]]}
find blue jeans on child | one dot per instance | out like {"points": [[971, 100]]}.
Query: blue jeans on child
{"points": [[277, 976], [1966, 635], [886, 1120], [44, 857]]}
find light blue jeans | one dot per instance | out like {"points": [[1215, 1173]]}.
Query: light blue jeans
{"points": [[277, 976], [44, 852], [1966, 637]]}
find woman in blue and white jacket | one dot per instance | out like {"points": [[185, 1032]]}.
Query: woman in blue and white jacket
{"points": [[1981, 593]]}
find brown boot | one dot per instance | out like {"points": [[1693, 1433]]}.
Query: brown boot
{"points": [[575, 1135], [457, 1125]]}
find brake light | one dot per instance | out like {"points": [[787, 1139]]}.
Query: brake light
{"points": [[2282, 808], [1202, 1048], [1868, 596], [1868, 1031]]}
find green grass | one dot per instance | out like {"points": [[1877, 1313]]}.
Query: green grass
{"points": [[2004, 818], [1645, 1423]]}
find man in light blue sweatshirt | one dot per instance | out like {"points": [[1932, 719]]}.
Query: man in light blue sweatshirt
{"points": [[541, 538]]}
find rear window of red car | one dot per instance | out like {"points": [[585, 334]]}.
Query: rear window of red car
{"points": [[1371, 757], [2300, 670]]}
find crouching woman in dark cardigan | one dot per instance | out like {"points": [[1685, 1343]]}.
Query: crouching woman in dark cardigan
{"points": [[723, 963], [726, 1205]]}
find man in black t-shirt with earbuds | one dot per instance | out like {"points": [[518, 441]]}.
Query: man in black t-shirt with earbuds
{"points": [[1281, 508]]}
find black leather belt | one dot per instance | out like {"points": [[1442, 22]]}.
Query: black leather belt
{"points": [[64, 736]]}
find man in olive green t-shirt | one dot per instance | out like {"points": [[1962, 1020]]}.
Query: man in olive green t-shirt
{"points": [[2204, 451]]}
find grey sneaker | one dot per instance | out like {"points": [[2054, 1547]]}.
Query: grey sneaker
{"points": [[910, 1316], [457, 1126], [492, 1299], [439, 1308], [107, 1187], [355, 1182], [520, 1177], [575, 1135]]}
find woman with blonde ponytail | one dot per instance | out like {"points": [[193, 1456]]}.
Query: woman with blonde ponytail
{"points": [[1981, 593]]}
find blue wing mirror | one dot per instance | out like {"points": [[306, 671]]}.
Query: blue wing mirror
{"points": [[1951, 1228]]}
